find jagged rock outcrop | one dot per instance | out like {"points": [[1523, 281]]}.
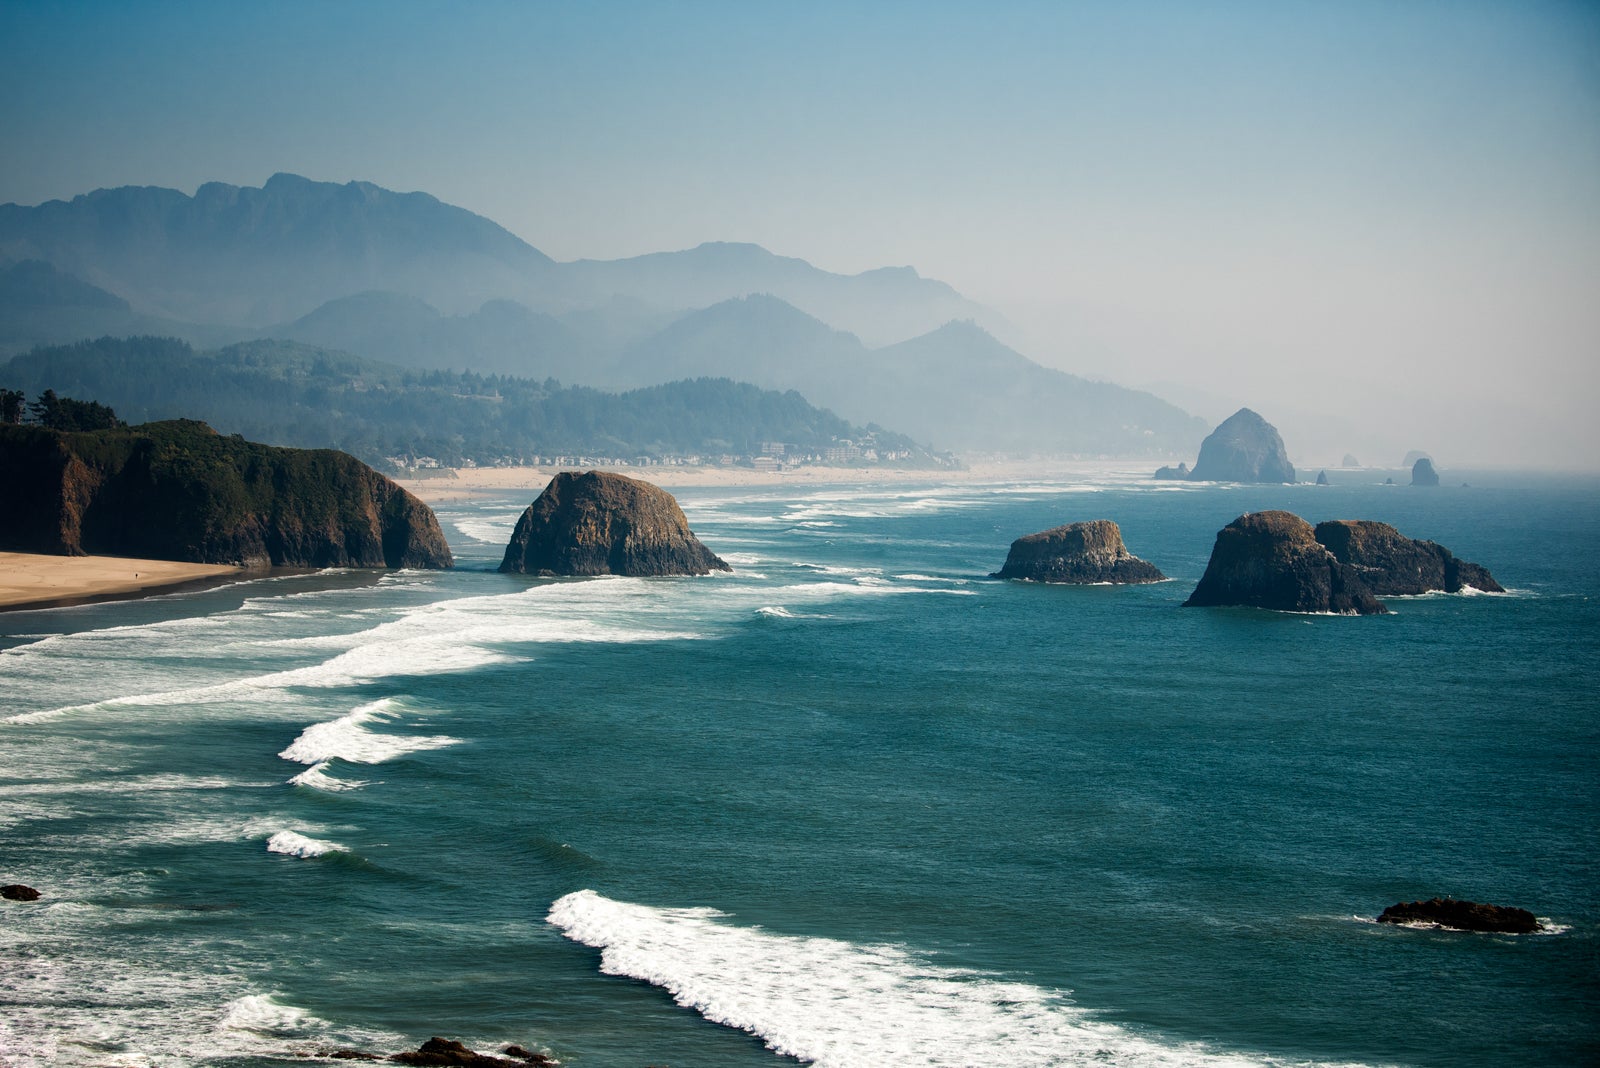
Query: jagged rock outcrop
{"points": [[1080, 553], [18, 892], [448, 1053], [1243, 448], [599, 523], [1392, 564], [1463, 916], [1423, 474], [178, 490], [1322, 478], [1172, 474], [1273, 560]]}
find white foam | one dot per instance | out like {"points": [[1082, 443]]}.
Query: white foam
{"points": [[347, 738], [294, 844], [775, 611], [843, 1005], [265, 1015], [317, 778]]}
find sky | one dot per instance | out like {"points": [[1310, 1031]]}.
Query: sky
{"points": [[1376, 223]]}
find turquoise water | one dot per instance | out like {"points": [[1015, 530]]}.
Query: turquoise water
{"points": [[854, 802]]}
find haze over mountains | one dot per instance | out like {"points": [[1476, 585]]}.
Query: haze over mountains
{"points": [[404, 278]]}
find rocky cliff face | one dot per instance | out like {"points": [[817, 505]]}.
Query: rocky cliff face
{"points": [[1392, 564], [1077, 553], [598, 523], [180, 491], [1273, 560], [1243, 448]]}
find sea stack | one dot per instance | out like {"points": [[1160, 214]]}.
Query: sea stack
{"points": [[1463, 916], [1322, 478], [1423, 474], [1392, 564], [1078, 553], [178, 490], [599, 523], [1243, 448], [1273, 560]]}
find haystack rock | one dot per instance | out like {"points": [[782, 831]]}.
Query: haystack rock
{"points": [[1273, 560], [1463, 916], [599, 523], [1423, 474], [1244, 448], [1081, 553], [1392, 564]]}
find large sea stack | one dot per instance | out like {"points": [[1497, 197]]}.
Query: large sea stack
{"points": [[1244, 448], [180, 491], [1392, 564], [599, 523], [1080, 553], [1423, 474], [1273, 560]]}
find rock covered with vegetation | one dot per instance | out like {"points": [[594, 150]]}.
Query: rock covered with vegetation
{"points": [[1080, 553], [178, 490], [1392, 564], [1273, 560], [1463, 916], [600, 523]]}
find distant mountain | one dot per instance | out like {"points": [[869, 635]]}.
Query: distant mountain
{"points": [[502, 337], [41, 305], [249, 257], [955, 387], [880, 306]]}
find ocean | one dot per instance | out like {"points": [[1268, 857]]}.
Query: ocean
{"points": [[854, 804]]}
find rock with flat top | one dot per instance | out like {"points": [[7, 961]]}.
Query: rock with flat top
{"points": [[1392, 564], [600, 523], [1079, 553], [1463, 916], [1273, 560]]}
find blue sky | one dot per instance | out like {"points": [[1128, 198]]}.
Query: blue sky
{"points": [[1304, 207]]}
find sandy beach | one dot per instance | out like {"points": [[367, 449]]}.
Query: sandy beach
{"points": [[475, 483], [29, 579]]}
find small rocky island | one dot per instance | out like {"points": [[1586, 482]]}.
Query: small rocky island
{"points": [[1273, 560], [1080, 553], [1463, 916], [600, 523], [178, 490], [1423, 474], [1392, 564], [1243, 448]]}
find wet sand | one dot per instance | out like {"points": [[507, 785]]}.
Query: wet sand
{"points": [[30, 580]]}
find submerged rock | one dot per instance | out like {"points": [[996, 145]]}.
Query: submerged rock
{"points": [[18, 892], [447, 1053], [1273, 560], [1392, 564], [1079, 553], [599, 523], [1463, 916], [1423, 474]]}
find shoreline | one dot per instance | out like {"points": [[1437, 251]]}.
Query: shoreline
{"points": [[36, 580], [476, 483]]}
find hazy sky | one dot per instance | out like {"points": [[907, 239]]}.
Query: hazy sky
{"points": [[1385, 214]]}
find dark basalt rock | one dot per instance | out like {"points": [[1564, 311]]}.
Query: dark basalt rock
{"points": [[18, 892], [1463, 916], [451, 1054], [180, 491], [1322, 478], [1172, 474], [1243, 448], [1273, 560], [599, 523], [1392, 564], [1077, 553], [1423, 474]]}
